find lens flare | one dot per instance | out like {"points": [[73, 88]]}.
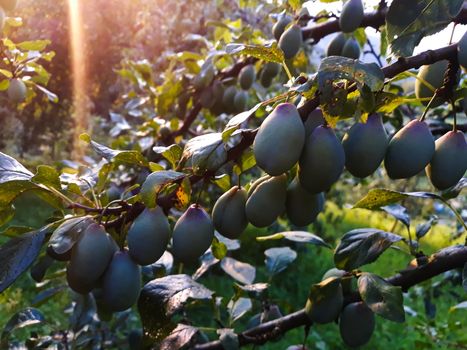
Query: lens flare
{"points": [[78, 68]]}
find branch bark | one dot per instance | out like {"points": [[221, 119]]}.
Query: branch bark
{"points": [[445, 260]]}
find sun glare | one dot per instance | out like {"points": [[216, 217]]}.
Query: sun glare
{"points": [[78, 57]]}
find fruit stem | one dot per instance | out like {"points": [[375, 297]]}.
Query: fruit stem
{"points": [[93, 193], [411, 247], [453, 104], [422, 118], [287, 70], [456, 213]]}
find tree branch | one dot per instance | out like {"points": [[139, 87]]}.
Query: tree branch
{"points": [[445, 260]]}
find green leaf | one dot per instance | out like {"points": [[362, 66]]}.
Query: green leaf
{"points": [[117, 156], [380, 197], [223, 181], [21, 319], [246, 162], [161, 298], [382, 297], [154, 182], [172, 153], [6, 73], [12, 189], [67, 233], [48, 176], [399, 212], [6, 214], [11, 169], [269, 52], [179, 338], [234, 123], [407, 22], [205, 152], [277, 259], [296, 236], [239, 307], [219, 249], [18, 254], [362, 246], [14, 21], [50, 95], [4, 84], [240, 271], [36, 45], [335, 68]]}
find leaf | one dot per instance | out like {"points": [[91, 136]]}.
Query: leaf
{"points": [[36, 45], [362, 246], [379, 197], [18, 254], [48, 176], [256, 290], [50, 95], [118, 156], [454, 191], [231, 244], [277, 259], [240, 271], [161, 298], [47, 294], [6, 214], [208, 260], [228, 339], [65, 235], [407, 22], [223, 181], [336, 68], [296, 236], [424, 228], [240, 118], [154, 182], [11, 169], [399, 212], [219, 249], [179, 338], [460, 306], [381, 297], [270, 52], [238, 308], [205, 152], [21, 319], [172, 153]]}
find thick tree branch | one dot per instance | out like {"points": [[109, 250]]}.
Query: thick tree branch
{"points": [[445, 260]]}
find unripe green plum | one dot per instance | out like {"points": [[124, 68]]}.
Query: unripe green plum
{"points": [[240, 101], [356, 324], [291, 41], [351, 49], [193, 234], [409, 151], [204, 78], [247, 76], [90, 257], [17, 90], [302, 207], [229, 98], [365, 146], [314, 119], [271, 69], [148, 236], [449, 162], [462, 51], [206, 98], [336, 45], [266, 200], [280, 139], [228, 214], [322, 161], [114, 192], [8, 5], [121, 282], [327, 307], [434, 75], [280, 26], [351, 16]]}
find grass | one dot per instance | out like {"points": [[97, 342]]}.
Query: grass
{"points": [[289, 288]]}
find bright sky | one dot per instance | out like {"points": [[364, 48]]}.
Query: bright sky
{"points": [[432, 42]]}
